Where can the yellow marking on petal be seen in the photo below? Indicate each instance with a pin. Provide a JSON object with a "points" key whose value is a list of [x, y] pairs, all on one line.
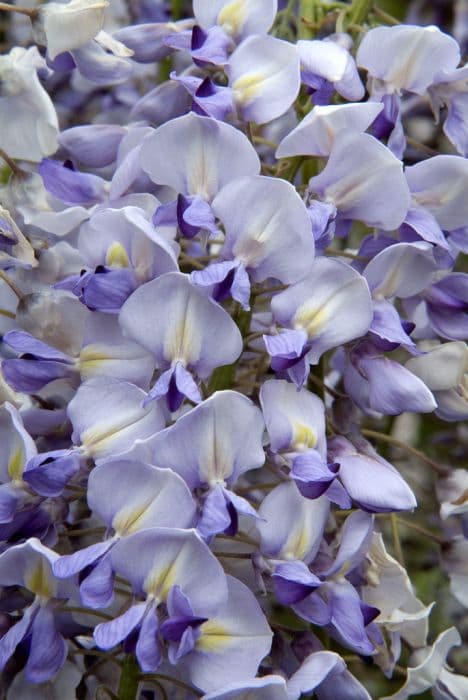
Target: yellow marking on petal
{"points": [[39, 580], [183, 342], [297, 545], [96, 436], [232, 17], [214, 637], [247, 87], [304, 437], [128, 518], [160, 581], [117, 256], [16, 465], [310, 319], [90, 357]]}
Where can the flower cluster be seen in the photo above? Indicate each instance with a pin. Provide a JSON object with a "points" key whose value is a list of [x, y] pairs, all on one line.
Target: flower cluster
{"points": [[231, 276]]}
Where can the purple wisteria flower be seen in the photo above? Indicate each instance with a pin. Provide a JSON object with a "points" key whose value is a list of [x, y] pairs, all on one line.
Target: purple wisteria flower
{"points": [[184, 331], [233, 360]]}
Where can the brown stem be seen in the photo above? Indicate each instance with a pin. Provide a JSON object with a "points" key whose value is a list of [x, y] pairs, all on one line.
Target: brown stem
{"points": [[443, 471], [31, 12], [11, 163], [11, 284]]}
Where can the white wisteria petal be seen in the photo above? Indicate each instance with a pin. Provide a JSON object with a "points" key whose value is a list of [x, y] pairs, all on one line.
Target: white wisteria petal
{"points": [[68, 26]]}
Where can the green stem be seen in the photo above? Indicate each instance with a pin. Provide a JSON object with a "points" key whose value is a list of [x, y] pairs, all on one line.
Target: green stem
{"points": [[9, 161], [358, 12], [129, 679], [176, 9], [307, 17], [87, 611], [385, 17], [8, 314], [421, 530], [396, 539]]}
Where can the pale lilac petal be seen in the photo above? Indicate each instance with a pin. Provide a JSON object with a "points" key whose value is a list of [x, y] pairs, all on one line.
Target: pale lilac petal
{"points": [[314, 609], [293, 582], [97, 589], [175, 321], [186, 384], [30, 376], [71, 186], [198, 214], [329, 61], [255, 234], [442, 367], [265, 78], [313, 671], [238, 19], [292, 526], [215, 273], [439, 184], [100, 67], [312, 474], [425, 225], [104, 432], [287, 345], [107, 352], [157, 559], [393, 389], [456, 123], [198, 149], [387, 326], [424, 676], [316, 133], [70, 564], [8, 503], [332, 305], [402, 270], [48, 648], [323, 58], [215, 516], [146, 40], [371, 481], [236, 653], [343, 685], [365, 181], [109, 634], [27, 113], [407, 57], [210, 47], [264, 688], [70, 25], [241, 505], [356, 535], [13, 637], [295, 420], [142, 497], [213, 443], [23, 342], [347, 618], [95, 145], [49, 472], [148, 650]]}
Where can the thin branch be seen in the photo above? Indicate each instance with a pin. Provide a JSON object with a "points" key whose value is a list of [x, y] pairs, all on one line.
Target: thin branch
{"points": [[443, 471], [31, 12]]}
